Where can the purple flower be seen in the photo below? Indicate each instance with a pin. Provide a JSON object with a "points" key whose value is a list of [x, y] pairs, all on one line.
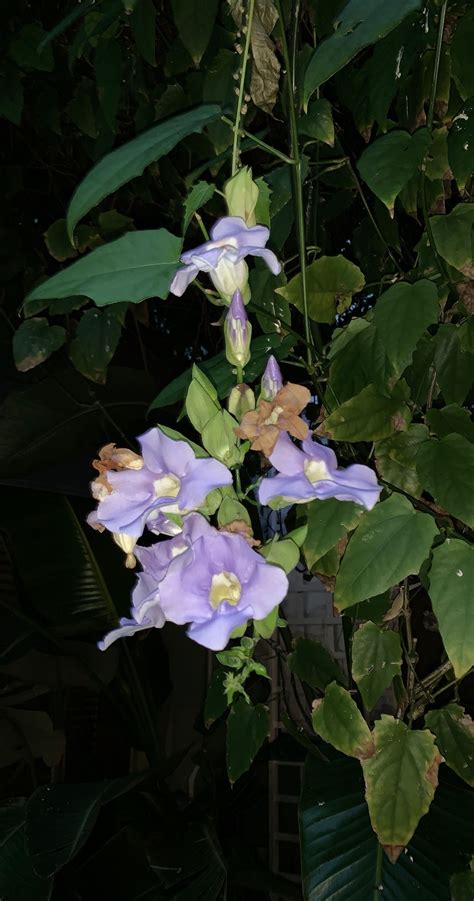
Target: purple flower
{"points": [[272, 379], [237, 332], [146, 612], [313, 473], [219, 584], [171, 480], [224, 256]]}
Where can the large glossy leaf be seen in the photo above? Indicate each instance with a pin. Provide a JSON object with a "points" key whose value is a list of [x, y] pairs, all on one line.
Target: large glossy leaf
{"points": [[331, 282], [64, 587], [339, 847], [138, 265], [35, 341], [454, 733], [453, 236], [451, 579], [338, 721], [376, 659], [131, 159], [328, 522], [389, 163], [369, 416], [361, 22], [391, 542], [400, 778], [446, 469], [401, 316], [220, 372], [18, 879], [60, 818], [194, 21], [247, 728], [313, 664], [395, 458]]}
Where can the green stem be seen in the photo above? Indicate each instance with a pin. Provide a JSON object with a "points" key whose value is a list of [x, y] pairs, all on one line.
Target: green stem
{"points": [[268, 147], [297, 182], [378, 873], [429, 123], [238, 112]]}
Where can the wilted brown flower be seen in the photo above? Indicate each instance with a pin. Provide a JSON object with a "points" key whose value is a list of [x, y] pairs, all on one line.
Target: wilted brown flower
{"points": [[240, 527], [263, 425], [112, 458]]}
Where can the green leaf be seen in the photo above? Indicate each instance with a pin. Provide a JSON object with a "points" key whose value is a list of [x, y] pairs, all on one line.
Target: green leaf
{"points": [[200, 405], [136, 266], [446, 469], [461, 144], [376, 659], [339, 847], [454, 366], [198, 196], [395, 458], [97, 337], [454, 733], [451, 579], [462, 886], [60, 818], [230, 510], [369, 416], [328, 522], [18, 880], [374, 609], [401, 316], [247, 729], [24, 50], [318, 123], [143, 25], [266, 627], [216, 701], [400, 778], [331, 282], [437, 163], [453, 236], [195, 22], [130, 160], [34, 341], [108, 73], [338, 720], [282, 552], [392, 542], [452, 418], [388, 164], [359, 362], [461, 54], [11, 94], [220, 372], [58, 243], [313, 664], [219, 438], [361, 22]]}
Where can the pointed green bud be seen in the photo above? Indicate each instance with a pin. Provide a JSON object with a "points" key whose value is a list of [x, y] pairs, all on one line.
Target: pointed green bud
{"points": [[241, 194], [241, 401]]}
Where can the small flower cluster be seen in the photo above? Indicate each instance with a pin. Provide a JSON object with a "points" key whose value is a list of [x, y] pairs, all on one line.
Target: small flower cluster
{"points": [[214, 580]]}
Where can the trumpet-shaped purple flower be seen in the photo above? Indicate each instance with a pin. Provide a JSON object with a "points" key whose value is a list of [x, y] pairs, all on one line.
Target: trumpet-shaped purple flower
{"points": [[171, 480], [312, 472], [237, 332], [272, 379], [219, 584], [146, 612], [223, 257]]}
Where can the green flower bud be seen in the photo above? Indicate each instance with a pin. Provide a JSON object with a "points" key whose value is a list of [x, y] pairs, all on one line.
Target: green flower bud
{"points": [[241, 194]]}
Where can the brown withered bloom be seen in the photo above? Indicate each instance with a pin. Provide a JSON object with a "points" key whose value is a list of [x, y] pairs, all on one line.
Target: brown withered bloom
{"points": [[240, 527], [263, 425]]}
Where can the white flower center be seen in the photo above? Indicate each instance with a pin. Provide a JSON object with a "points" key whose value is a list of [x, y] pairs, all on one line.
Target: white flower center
{"points": [[225, 586], [167, 486], [315, 471]]}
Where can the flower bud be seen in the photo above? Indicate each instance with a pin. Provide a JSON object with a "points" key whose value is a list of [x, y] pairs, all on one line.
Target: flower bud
{"points": [[127, 544], [241, 401], [237, 332], [241, 194], [272, 380], [229, 277]]}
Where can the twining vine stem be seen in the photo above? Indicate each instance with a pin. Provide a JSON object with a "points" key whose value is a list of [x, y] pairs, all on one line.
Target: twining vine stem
{"points": [[240, 100]]}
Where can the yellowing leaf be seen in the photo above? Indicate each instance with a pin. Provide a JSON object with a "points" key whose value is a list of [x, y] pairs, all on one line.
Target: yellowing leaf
{"points": [[331, 282], [338, 721]]}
